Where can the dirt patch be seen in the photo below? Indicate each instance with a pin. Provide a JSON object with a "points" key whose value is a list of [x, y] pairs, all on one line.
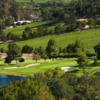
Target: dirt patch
{"points": [[27, 55]]}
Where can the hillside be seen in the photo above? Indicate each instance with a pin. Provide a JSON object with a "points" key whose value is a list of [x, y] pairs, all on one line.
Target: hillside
{"points": [[89, 37], [19, 30]]}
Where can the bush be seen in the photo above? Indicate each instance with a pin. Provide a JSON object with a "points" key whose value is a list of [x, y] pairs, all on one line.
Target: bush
{"points": [[21, 60]]}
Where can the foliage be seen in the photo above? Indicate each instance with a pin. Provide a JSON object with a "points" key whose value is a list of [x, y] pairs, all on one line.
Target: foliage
{"points": [[27, 49], [21, 60], [97, 50], [8, 60], [95, 62], [67, 86], [82, 61], [32, 90], [36, 57], [12, 8], [52, 49], [88, 37], [13, 52]]}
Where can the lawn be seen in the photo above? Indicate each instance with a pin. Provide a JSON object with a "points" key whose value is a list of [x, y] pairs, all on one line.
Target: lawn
{"points": [[19, 29], [89, 38], [43, 66], [34, 69]]}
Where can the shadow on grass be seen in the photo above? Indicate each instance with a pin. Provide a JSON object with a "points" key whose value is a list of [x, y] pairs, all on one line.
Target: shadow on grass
{"points": [[93, 65], [74, 71], [2, 65]]}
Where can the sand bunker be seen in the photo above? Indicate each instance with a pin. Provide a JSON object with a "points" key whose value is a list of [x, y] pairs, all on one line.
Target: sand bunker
{"points": [[66, 68], [23, 66]]}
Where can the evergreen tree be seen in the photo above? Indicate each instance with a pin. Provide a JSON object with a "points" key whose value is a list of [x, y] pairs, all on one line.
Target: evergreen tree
{"points": [[52, 49], [27, 49], [97, 50], [82, 61], [14, 51]]}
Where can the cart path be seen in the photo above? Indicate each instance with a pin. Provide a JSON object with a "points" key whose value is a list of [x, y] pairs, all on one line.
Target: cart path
{"points": [[94, 70]]}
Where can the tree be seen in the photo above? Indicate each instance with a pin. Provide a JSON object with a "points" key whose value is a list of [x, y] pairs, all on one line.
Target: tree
{"points": [[91, 22], [27, 33], [58, 88], [75, 47], [36, 55], [97, 50], [42, 52], [1, 33], [21, 60], [83, 61], [27, 90], [78, 46], [96, 63], [41, 31], [70, 48], [0, 55], [9, 21], [12, 36], [27, 49], [52, 49], [8, 60], [14, 51]]}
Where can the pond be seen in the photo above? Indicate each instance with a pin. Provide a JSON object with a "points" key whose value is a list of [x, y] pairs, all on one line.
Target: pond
{"points": [[6, 79]]}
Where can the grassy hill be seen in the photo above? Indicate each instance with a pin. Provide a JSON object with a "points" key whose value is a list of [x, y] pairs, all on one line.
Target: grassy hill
{"points": [[19, 30], [89, 38], [42, 1]]}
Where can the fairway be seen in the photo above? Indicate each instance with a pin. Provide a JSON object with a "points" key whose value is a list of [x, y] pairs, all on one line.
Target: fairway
{"points": [[89, 38], [34, 69], [49, 64]]}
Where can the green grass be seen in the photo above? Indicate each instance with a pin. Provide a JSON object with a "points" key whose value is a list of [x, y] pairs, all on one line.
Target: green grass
{"points": [[43, 67], [89, 38], [19, 30], [39, 68]]}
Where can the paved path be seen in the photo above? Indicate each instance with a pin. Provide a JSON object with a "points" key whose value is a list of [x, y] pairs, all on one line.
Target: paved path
{"points": [[23, 66], [94, 70]]}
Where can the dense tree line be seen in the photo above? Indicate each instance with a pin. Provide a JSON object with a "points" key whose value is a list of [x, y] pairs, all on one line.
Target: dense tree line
{"points": [[52, 51], [53, 84], [77, 8], [10, 9]]}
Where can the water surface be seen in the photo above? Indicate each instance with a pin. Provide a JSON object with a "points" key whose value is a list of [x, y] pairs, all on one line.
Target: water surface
{"points": [[6, 79]]}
